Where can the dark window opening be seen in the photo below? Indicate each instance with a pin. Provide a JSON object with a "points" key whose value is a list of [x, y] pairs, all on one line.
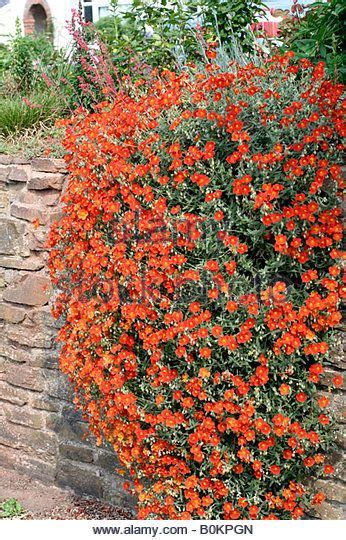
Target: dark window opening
{"points": [[88, 13]]}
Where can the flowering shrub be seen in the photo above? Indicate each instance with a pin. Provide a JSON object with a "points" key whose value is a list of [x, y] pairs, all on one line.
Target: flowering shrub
{"points": [[197, 262]]}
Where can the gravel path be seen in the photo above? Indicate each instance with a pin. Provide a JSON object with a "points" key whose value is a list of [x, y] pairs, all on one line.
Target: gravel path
{"points": [[49, 502]]}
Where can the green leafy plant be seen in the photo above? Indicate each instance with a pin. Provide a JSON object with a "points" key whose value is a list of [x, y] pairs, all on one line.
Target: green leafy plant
{"points": [[10, 508], [163, 34], [27, 56], [18, 113], [318, 33]]}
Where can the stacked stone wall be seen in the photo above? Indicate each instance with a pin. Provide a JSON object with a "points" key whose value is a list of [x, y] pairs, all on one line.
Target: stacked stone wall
{"points": [[41, 434]]}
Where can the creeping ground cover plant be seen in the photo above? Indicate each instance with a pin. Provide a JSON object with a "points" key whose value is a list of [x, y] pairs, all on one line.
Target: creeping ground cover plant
{"points": [[198, 268]]}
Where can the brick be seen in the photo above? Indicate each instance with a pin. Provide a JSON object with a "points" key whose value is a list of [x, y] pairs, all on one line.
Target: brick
{"points": [[11, 313], [19, 263], [32, 290], [17, 174], [46, 181], [12, 394], [25, 377], [11, 236], [24, 417], [76, 453]]}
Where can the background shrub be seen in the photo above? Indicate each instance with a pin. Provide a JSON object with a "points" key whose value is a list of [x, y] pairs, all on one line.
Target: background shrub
{"points": [[318, 33]]}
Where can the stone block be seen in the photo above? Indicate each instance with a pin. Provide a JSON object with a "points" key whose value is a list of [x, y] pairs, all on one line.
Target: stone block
{"points": [[42, 316], [113, 492], [25, 377], [30, 336], [4, 200], [19, 263], [76, 453], [69, 430], [40, 469], [82, 479], [48, 165], [37, 239], [16, 354], [25, 438], [12, 394], [20, 160], [32, 290], [29, 212], [11, 313], [5, 159], [11, 236], [327, 510], [334, 491], [337, 406], [44, 403], [24, 417], [107, 461], [326, 379], [3, 174], [57, 386], [18, 174], [42, 181]]}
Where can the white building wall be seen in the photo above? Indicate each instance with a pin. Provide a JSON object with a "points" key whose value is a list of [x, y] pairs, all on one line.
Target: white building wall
{"points": [[61, 13]]}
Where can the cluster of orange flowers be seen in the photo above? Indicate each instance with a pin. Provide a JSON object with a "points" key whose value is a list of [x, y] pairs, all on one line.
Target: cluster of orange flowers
{"points": [[198, 268]]}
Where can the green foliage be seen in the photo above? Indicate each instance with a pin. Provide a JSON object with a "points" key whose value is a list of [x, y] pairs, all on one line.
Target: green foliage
{"points": [[26, 57], [17, 114], [163, 33], [320, 35], [10, 508]]}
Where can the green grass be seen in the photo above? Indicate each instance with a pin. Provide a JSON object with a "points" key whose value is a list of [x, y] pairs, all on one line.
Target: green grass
{"points": [[16, 116], [10, 508]]}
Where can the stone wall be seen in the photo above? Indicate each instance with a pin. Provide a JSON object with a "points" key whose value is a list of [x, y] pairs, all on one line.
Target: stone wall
{"points": [[40, 432]]}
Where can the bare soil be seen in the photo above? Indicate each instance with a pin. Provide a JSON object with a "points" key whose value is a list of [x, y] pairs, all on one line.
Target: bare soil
{"points": [[49, 502]]}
